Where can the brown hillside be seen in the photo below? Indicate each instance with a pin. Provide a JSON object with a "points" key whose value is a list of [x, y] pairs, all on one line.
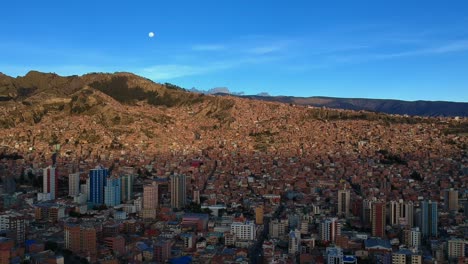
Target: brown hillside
{"points": [[98, 114]]}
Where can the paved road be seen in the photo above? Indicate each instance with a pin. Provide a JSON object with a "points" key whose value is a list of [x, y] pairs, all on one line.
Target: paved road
{"points": [[210, 177], [256, 251]]}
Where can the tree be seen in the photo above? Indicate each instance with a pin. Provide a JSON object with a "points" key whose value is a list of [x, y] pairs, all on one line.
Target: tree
{"points": [[193, 208], [54, 140], [207, 211], [74, 214], [22, 179], [416, 176], [51, 245], [31, 176]]}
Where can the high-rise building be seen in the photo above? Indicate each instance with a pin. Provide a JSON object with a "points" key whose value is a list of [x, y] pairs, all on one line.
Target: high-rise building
{"points": [[74, 184], [72, 237], [412, 237], [97, 182], [278, 228], [196, 196], [394, 213], [112, 195], [14, 223], [150, 196], [415, 238], [407, 214], [162, 251], [401, 213], [81, 239], [343, 202], [304, 227], [367, 211], [50, 182], [244, 230], [127, 187], [116, 244], [330, 228], [178, 191], [451, 200], [378, 219], [259, 215], [294, 241], [456, 248], [150, 200], [84, 189], [429, 219], [398, 258]]}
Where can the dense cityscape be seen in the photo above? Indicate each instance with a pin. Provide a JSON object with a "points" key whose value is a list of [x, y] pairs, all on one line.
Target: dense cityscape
{"points": [[233, 205]]}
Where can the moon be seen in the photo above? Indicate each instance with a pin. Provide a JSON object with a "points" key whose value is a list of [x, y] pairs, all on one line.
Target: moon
{"points": [[151, 34]]}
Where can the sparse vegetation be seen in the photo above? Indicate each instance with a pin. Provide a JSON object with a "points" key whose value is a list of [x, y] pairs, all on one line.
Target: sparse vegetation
{"points": [[263, 139], [117, 87], [457, 128], [389, 158], [173, 87]]}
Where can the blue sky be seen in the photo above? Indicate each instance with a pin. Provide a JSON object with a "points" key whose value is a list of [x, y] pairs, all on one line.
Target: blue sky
{"points": [[408, 50]]}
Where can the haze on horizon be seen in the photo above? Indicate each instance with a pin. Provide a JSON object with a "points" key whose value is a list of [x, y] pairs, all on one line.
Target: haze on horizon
{"points": [[414, 50]]}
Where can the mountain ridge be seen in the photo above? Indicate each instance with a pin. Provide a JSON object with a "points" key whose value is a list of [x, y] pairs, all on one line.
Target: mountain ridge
{"points": [[110, 114], [34, 81], [388, 106]]}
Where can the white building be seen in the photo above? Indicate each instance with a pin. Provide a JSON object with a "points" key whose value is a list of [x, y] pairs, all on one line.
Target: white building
{"points": [[415, 237], [49, 182], [294, 241], [243, 231], [401, 213], [80, 198], [120, 215], [43, 197], [406, 256], [278, 228], [138, 203], [88, 188], [456, 248], [316, 209], [304, 227], [74, 184], [129, 208], [84, 189], [14, 222], [334, 255], [329, 229]]}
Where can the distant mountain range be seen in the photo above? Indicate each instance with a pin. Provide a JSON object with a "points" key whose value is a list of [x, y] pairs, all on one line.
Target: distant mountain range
{"points": [[388, 106], [36, 86]]}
